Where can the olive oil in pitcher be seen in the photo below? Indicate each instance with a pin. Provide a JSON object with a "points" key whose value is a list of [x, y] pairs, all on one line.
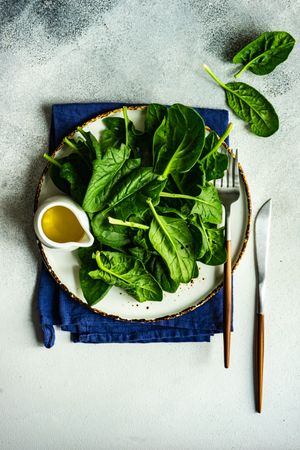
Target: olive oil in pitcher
{"points": [[61, 225]]}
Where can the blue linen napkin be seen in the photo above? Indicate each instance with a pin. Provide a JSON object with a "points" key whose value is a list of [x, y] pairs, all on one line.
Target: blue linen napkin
{"points": [[57, 308]]}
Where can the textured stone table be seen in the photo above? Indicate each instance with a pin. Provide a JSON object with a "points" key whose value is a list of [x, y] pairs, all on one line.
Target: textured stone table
{"points": [[145, 396]]}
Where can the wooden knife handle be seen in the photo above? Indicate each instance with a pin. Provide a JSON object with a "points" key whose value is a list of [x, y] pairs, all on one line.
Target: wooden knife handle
{"points": [[227, 306], [260, 359]]}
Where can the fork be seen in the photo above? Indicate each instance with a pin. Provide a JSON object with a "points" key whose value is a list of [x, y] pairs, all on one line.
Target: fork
{"points": [[229, 191]]}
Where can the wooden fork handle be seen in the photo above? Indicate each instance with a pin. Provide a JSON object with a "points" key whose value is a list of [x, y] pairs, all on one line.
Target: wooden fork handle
{"points": [[260, 359], [227, 305]]}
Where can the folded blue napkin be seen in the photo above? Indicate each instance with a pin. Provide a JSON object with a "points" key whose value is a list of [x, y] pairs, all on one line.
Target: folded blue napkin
{"points": [[57, 308]]}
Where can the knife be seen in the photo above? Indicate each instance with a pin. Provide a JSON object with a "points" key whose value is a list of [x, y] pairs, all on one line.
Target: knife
{"points": [[262, 235]]}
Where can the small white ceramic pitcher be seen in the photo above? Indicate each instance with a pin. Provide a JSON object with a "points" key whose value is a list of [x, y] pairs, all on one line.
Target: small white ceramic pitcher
{"points": [[87, 238]]}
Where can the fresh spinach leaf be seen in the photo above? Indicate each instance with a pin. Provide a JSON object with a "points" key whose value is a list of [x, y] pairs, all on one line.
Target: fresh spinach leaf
{"points": [[54, 172], [137, 202], [172, 239], [216, 242], [208, 205], [104, 172], [200, 241], [159, 144], [130, 195], [85, 254], [128, 273], [115, 134], [180, 140], [128, 166], [85, 145], [250, 105], [91, 142], [92, 289], [115, 236], [262, 55], [70, 175], [155, 114], [142, 248], [163, 209], [210, 242], [210, 166], [77, 186], [189, 182], [160, 272], [212, 163]]}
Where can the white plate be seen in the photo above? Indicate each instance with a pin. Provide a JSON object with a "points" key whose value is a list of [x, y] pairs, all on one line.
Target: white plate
{"points": [[64, 266]]}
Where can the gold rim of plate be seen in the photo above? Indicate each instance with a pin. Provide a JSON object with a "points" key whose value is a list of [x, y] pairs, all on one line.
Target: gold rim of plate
{"points": [[171, 316]]}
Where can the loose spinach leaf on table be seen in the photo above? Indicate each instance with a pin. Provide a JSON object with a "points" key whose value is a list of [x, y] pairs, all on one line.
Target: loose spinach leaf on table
{"points": [[250, 105], [180, 140], [125, 271], [172, 239], [262, 55]]}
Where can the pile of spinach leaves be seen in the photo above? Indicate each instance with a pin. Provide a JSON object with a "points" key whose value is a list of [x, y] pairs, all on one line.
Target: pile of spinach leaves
{"points": [[152, 207]]}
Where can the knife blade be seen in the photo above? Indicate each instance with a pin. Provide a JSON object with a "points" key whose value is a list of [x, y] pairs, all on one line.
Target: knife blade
{"points": [[262, 237]]}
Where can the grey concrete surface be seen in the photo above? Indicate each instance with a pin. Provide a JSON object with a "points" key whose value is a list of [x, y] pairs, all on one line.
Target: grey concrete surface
{"points": [[155, 396]]}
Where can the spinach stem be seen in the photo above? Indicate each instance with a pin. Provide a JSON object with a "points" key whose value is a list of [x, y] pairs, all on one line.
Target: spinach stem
{"points": [[242, 70], [126, 223], [126, 124], [210, 72], [70, 144], [105, 211], [219, 143], [188, 197], [166, 171], [161, 224], [149, 201], [52, 160], [246, 66], [105, 269]]}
